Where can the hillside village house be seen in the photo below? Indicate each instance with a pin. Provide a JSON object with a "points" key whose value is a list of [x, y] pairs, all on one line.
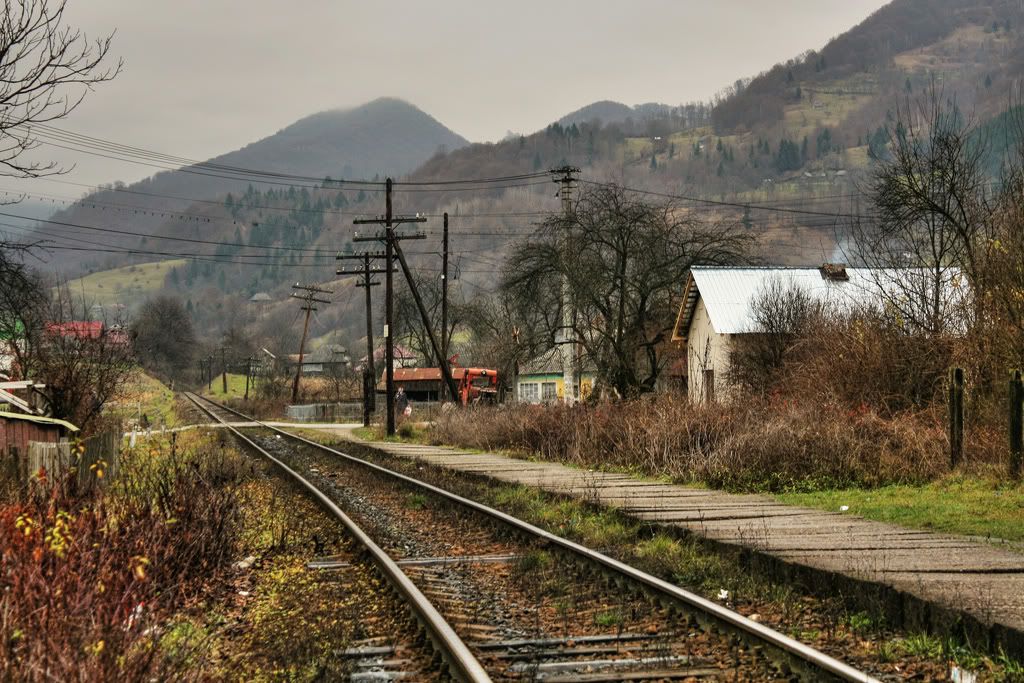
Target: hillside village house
{"points": [[718, 306], [541, 380], [329, 359]]}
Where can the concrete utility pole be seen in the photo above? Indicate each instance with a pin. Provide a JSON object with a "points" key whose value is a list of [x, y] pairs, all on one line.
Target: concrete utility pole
{"points": [[444, 297], [566, 179], [308, 299]]}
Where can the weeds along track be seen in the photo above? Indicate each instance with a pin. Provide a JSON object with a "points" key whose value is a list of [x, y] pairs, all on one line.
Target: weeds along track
{"points": [[527, 604]]}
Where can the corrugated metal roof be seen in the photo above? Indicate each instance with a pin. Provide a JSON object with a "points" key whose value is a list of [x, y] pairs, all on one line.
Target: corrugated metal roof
{"points": [[728, 293], [39, 420]]}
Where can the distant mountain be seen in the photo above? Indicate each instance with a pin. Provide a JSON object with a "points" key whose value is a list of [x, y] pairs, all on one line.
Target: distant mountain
{"points": [[387, 136], [608, 111]]}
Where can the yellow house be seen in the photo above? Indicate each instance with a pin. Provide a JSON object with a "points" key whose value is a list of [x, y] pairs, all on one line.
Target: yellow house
{"points": [[541, 380]]}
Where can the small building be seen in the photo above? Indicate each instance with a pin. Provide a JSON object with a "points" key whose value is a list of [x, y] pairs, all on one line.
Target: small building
{"points": [[329, 359], [718, 305], [425, 384], [541, 380], [17, 430], [259, 303], [419, 384], [404, 358]]}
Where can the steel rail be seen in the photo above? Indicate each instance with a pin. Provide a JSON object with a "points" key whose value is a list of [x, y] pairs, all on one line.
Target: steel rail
{"points": [[804, 653], [463, 665]]}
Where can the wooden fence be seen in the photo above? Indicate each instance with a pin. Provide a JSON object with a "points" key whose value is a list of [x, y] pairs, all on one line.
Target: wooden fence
{"points": [[95, 458]]}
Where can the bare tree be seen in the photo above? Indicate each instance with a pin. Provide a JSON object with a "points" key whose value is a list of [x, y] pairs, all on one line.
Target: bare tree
{"points": [[163, 336], [931, 214], [46, 70], [625, 261], [782, 316], [83, 365], [409, 325]]}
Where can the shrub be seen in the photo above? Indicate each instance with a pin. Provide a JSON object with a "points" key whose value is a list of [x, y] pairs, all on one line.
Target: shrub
{"points": [[89, 579]]}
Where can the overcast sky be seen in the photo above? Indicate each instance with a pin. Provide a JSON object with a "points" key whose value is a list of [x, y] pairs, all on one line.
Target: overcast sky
{"points": [[203, 77]]}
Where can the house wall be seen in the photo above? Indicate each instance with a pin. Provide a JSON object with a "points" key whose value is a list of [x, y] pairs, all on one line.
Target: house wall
{"points": [[17, 434], [530, 388], [706, 350]]}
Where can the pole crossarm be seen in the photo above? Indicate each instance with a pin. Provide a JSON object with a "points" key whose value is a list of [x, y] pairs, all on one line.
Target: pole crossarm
{"points": [[383, 236], [361, 255]]}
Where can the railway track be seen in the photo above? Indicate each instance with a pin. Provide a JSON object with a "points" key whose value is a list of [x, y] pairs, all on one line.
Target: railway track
{"points": [[500, 604]]}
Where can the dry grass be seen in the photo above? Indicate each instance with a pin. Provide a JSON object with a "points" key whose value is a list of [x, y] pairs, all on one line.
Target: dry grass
{"points": [[762, 447]]}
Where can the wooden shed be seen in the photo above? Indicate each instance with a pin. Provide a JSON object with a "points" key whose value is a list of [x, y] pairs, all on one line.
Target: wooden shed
{"points": [[17, 429]]}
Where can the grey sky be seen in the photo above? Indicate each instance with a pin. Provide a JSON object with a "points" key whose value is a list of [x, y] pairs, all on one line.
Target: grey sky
{"points": [[206, 76]]}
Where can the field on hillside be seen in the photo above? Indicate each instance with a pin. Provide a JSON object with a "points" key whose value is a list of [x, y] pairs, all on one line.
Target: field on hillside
{"points": [[128, 285]]}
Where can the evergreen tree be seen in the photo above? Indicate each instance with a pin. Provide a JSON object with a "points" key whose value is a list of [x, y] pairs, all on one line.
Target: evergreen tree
{"points": [[654, 162], [788, 158]]}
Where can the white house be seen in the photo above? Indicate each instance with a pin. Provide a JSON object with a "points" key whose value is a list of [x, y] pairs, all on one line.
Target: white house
{"points": [[718, 305]]}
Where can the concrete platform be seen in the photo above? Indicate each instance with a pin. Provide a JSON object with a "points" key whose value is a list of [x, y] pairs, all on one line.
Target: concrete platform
{"points": [[943, 582]]}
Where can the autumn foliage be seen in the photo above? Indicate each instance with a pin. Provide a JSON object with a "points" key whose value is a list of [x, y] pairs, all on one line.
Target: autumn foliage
{"points": [[89, 580]]}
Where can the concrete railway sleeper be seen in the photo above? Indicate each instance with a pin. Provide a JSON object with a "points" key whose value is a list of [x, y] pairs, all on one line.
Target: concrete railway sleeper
{"points": [[681, 636], [456, 658]]}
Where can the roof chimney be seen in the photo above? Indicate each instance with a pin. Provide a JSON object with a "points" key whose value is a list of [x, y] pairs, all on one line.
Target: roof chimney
{"points": [[834, 272]]}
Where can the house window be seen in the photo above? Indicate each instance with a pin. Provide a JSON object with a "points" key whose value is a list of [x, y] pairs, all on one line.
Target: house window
{"points": [[549, 391], [529, 392]]}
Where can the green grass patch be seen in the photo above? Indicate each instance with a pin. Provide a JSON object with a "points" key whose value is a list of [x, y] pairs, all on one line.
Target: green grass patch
{"points": [[960, 504], [127, 285], [145, 399], [236, 387]]}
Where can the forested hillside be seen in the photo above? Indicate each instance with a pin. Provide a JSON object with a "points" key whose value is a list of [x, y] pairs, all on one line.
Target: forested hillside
{"points": [[798, 136], [386, 136]]}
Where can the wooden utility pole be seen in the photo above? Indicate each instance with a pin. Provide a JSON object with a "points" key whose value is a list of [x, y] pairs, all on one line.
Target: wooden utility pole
{"points": [[444, 297], [565, 177], [1016, 423], [369, 370], [308, 299], [248, 374], [956, 416], [224, 369], [390, 239]]}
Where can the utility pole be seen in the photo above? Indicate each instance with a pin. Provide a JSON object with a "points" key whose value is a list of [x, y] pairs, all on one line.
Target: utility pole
{"points": [[248, 374], [565, 177], [308, 299], [444, 297], [224, 369], [369, 370], [391, 250]]}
